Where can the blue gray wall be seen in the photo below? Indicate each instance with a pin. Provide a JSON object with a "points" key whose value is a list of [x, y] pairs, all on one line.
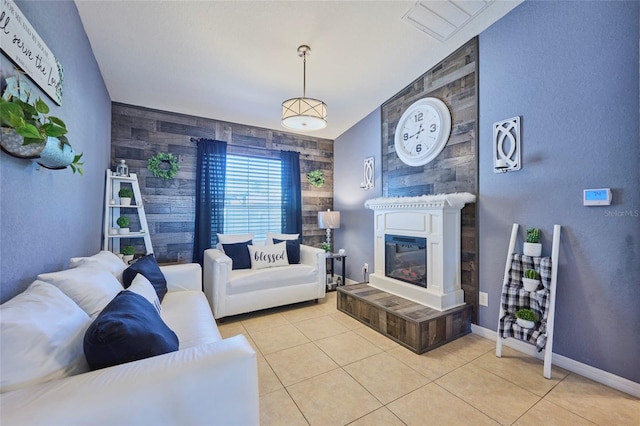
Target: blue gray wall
{"points": [[356, 223], [47, 217], [570, 70]]}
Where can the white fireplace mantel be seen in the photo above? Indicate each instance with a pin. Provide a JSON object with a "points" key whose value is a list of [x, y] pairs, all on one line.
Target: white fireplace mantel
{"points": [[436, 218]]}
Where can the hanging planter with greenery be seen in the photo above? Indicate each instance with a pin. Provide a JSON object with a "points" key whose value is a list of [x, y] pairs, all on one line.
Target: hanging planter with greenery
{"points": [[315, 178], [29, 132], [163, 165]]}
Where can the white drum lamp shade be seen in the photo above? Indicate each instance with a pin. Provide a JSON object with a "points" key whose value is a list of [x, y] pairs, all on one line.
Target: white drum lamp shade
{"points": [[304, 114]]}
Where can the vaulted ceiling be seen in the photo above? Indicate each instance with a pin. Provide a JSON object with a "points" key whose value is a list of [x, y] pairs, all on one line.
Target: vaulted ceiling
{"points": [[237, 60]]}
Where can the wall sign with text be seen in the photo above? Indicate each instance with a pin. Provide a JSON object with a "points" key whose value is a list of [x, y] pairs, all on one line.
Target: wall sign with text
{"points": [[22, 44]]}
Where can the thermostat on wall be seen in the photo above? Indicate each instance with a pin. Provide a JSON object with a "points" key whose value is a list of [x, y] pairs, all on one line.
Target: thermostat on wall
{"points": [[597, 197]]}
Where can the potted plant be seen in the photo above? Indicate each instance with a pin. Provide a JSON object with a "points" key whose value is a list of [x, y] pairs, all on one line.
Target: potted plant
{"points": [[123, 223], [526, 318], [532, 246], [127, 253], [125, 194], [326, 247], [29, 132], [530, 280]]}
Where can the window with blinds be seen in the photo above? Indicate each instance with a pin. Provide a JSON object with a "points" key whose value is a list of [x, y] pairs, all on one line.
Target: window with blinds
{"points": [[253, 196]]}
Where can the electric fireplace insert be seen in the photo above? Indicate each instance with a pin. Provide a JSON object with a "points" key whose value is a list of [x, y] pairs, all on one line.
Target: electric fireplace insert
{"points": [[406, 259]]}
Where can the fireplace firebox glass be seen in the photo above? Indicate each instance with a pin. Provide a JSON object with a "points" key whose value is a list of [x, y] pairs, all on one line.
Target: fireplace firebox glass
{"points": [[406, 259]]}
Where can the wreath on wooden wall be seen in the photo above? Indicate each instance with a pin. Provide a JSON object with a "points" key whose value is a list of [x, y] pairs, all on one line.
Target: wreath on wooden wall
{"points": [[315, 178], [163, 165]]}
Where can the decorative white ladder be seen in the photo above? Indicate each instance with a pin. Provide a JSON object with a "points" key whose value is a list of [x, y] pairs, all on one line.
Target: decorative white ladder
{"points": [[112, 210], [548, 348]]}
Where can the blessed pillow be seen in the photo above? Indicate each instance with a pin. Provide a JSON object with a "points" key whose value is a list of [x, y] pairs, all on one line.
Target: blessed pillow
{"points": [[89, 286], [293, 250], [239, 254], [268, 256], [142, 286], [147, 266], [41, 334], [282, 237], [128, 329]]}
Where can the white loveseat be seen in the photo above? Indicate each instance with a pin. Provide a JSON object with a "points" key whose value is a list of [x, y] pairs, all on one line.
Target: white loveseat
{"points": [[237, 291], [209, 380]]}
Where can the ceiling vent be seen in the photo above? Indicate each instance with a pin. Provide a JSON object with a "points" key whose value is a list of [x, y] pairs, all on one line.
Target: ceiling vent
{"points": [[442, 19]]}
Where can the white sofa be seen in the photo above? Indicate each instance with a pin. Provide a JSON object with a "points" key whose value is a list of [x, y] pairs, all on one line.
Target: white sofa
{"points": [[209, 380], [237, 291]]}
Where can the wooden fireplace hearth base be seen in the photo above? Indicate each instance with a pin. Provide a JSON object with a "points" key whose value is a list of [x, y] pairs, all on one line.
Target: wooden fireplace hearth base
{"points": [[415, 326]]}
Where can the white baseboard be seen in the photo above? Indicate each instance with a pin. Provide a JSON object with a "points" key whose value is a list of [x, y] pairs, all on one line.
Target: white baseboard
{"points": [[595, 374]]}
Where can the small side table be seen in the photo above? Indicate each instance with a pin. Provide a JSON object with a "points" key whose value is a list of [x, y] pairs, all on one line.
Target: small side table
{"points": [[331, 272]]}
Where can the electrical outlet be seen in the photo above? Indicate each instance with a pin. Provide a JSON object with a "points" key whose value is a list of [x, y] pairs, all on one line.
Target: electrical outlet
{"points": [[365, 270], [366, 266], [484, 299]]}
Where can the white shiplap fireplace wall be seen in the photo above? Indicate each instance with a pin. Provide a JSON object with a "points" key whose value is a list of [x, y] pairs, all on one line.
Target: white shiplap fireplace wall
{"points": [[436, 218]]}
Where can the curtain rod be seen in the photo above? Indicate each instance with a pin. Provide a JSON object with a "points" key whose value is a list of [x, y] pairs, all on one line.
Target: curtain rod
{"points": [[257, 148]]}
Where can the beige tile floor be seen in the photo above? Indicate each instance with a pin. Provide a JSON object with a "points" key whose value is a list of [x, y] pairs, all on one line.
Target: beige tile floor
{"points": [[318, 366]]}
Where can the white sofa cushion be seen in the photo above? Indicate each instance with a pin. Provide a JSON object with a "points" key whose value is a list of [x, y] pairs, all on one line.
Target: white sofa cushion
{"points": [[89, 286], [187, 313], [41, 335], [103, 259], [248, 280], [268, 256]]}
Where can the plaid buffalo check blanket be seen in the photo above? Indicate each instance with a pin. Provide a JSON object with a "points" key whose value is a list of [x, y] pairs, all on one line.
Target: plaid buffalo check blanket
{"points": [[515, 297]]}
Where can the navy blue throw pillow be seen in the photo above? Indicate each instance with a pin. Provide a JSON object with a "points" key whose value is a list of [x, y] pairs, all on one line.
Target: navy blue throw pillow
{"points": [[147, 266], [293, 249], [129, 328], [239, 254]]}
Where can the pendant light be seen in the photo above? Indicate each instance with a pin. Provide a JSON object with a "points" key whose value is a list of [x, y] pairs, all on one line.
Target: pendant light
{"points": [[304, 114]]}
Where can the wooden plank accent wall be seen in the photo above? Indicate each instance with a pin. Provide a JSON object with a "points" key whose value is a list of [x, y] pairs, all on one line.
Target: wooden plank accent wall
{"points": [[138, 134], [454, 81]]}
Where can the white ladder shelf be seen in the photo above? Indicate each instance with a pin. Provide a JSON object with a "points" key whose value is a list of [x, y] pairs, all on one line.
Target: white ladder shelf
{"points": [[112, 210], [548, 348]]}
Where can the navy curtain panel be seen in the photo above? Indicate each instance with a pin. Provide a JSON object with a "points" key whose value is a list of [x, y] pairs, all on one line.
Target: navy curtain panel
{"points": [[291, 193], [211, 169]]}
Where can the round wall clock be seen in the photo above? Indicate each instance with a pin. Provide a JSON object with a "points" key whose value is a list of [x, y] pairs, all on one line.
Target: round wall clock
{"points": [[423, 131]]}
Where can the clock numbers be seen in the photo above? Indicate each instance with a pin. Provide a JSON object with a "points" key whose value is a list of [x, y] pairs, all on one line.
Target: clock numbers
{"points": [[418, 117], [419, 148], [405, 137], [433, 128]]}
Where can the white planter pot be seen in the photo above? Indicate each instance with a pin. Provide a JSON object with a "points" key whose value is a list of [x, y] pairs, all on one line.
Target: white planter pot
{"points": [[128, 258], [113, 231], [125, 201], [123, 231], [529, 284], [532, 249], [524, 323]]}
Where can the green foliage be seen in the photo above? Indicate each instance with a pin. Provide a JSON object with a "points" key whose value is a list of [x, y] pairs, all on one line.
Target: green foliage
{"points": [[315, 178], [532, 274], [123, 222], [125, 193], [326, 247], [76, 165], [527, 315], [128, 250], [166, 159], [533, 235], [28, 116]]}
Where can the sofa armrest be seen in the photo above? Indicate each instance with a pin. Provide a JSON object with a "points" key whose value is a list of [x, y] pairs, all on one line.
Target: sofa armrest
{"points": [[186, 276], [216, 274], [216, 383], [313, 256]]}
